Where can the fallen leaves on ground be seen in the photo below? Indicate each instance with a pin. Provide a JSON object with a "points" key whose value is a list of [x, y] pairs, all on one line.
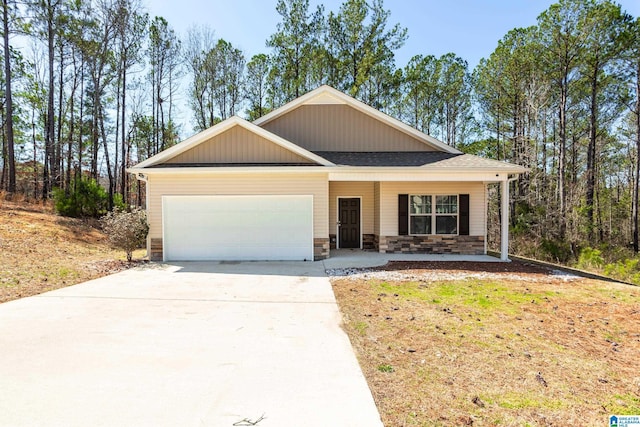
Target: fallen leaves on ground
{"points": [[41, 251], [523, 345]]}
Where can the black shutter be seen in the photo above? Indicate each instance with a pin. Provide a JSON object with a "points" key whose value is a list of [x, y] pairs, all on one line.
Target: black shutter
{"points": [[403, 214], [463, 212]]}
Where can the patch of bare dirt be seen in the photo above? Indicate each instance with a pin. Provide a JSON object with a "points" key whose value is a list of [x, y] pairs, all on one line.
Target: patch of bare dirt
{"points": [[516, 345], [40, 251]]}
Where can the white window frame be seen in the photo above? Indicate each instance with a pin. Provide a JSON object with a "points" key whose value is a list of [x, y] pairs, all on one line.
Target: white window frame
{"points": [[434, 214]]}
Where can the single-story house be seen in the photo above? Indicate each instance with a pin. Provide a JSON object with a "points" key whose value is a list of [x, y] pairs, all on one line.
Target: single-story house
{"points": [[324, 171]]}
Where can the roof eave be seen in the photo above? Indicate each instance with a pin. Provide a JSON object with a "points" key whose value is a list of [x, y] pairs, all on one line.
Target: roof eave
{"points": [[327, 169]]}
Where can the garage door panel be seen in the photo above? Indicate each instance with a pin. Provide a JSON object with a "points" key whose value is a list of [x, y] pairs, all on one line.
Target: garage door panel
{"points": [[238, 227]]}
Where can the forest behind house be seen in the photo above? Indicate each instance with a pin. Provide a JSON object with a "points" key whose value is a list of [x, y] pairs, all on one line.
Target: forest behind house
{"points": [[90, 88]]}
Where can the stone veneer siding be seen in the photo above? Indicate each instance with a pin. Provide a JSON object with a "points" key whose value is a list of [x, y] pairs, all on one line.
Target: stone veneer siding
{"points": [[320, 248], [462, 245], [369, 242], [155, 250]]}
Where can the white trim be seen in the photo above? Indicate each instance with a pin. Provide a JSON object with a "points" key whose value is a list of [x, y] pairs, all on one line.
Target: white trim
{"points": [[504, 221], [338, 218], [338, 173], [325, 90], [486, 215], [221, 127]]}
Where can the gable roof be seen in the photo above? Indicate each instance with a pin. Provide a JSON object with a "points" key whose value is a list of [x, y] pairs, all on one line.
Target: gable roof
{"points": [[327, 95], [221, 127]]}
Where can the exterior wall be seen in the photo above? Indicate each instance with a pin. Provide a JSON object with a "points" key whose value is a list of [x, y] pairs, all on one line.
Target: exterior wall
{"points": [[238, 145], [340, 128], [389, 202], [364, 190], [462, 245], [236, 184]]}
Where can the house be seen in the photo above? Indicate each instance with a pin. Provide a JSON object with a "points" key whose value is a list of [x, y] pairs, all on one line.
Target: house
{"points": [[324, 171]]}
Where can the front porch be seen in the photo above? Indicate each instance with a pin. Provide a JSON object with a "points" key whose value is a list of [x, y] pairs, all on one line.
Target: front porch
{"points": [[411, 217]]}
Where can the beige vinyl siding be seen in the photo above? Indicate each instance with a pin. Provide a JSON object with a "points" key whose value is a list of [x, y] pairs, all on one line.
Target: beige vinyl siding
{"points": [[240, 184], [238, 145], [340, 128], [352, 189], [389, 202]]}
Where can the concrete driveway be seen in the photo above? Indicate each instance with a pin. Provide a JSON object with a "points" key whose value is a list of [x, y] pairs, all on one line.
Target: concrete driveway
{"points": [[191, 344]]}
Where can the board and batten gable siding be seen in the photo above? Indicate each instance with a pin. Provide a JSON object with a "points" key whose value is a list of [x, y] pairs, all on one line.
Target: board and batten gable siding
{"points": [[389, 202], [352, 189], [238, 145], [239, 184], [337, 127]]}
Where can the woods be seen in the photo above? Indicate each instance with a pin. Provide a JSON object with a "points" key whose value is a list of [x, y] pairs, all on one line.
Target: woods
{"points": [[89, 88]]}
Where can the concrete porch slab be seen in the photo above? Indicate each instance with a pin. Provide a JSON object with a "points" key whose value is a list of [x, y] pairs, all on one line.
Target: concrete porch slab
{"points": [[357, 258]]}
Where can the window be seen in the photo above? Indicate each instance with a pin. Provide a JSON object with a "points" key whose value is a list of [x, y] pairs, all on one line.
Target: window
{"points": [[425, 217], [446, 214], [420, 215]]}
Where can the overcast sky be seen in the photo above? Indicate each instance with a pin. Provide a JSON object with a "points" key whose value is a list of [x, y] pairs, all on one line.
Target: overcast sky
{"points": [[469, 28]]}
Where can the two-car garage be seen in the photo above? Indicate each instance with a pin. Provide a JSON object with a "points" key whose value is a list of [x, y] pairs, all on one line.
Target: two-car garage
{"points": [[237, 227]]}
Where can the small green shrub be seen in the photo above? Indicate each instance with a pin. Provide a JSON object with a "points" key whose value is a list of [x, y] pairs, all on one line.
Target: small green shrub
{"points": [[590, 258], [126, 230], [626, 270], [555, 250], [85, 199]]}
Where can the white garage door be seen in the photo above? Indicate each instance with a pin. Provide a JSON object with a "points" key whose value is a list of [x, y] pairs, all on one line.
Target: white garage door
{"points": [[249, 228]]}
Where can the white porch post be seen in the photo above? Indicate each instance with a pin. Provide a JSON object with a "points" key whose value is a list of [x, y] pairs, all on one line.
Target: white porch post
{"points": [[504, 222]]}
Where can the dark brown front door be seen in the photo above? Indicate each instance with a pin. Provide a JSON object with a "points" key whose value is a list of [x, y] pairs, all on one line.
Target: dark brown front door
{"points": [[349, 216]]}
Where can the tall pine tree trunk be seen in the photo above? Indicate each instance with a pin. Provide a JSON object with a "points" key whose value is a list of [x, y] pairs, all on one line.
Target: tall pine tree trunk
{"points": [[50, 161], [9, 138], [636, 183], [591, 152]]}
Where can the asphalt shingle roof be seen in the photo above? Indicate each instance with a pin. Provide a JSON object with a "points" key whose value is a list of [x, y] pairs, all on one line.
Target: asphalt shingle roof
{"points": [[395, 158], [431, 159]]}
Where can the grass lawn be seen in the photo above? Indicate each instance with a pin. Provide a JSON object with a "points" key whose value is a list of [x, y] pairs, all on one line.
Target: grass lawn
{"points": [[537, 350]]}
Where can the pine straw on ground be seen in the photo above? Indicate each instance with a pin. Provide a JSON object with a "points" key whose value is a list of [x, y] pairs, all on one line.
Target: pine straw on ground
{"points": [[40, 251], [538, 349]]}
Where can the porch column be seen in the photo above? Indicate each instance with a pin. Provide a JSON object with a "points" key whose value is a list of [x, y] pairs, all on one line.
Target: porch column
{"points": [[504, 222]]}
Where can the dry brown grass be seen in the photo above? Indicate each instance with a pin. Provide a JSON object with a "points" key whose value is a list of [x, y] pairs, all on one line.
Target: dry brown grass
{"points": [[40, 251], [533, 352]]}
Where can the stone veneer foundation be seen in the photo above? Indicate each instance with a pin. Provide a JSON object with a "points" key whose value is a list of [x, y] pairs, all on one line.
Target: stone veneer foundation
{"points": [[320, 249], [462, 245], [156, 250]]}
